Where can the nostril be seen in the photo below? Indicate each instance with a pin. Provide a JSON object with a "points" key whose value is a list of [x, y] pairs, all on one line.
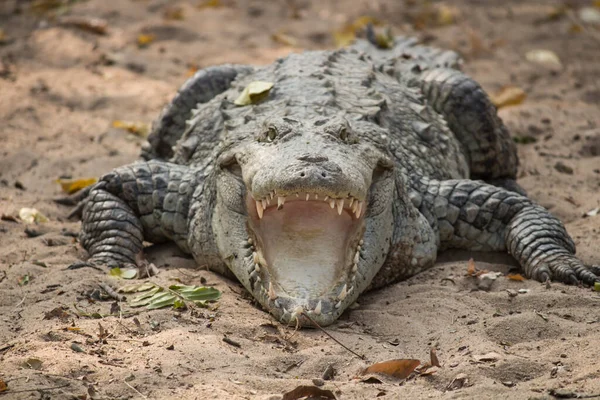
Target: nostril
{"points": [[324, 175], [302, 174]]}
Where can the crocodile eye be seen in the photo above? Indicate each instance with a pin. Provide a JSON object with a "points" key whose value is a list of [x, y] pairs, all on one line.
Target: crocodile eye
{"points": [[343, 134], [271, 134]]}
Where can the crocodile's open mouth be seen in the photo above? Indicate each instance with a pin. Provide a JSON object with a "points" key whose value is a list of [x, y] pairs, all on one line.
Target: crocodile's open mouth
{"points": [[306, 251]]}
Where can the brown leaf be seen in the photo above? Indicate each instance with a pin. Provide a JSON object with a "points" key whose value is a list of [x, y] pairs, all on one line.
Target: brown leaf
{"points": [[59, 313], [308, 391], [102, 333], [543, 56], [508, 96], [400, 368], [433, 356], [471, 270], [515, 277], [253, 93], [3, 386]]}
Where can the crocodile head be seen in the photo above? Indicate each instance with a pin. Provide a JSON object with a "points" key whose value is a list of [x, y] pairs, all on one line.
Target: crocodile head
{"points": [[303, 213]]}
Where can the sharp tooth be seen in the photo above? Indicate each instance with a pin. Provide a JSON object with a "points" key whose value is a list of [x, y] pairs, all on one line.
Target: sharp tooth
{"points": [[351, 201], [343, 293], [268, 201], [271, 195], [255, 257], [354, 268], [317, 310], [338, 304], [332, 203], [250, 241], [307, 196], [326, 198], [316, 196], [257, 268], [280, 202], [354, 206], [264, 203], [259, 209], [356, 256], [297, 194], [361, 242], [271, 292], [340, 205], [359, 209], [258, 279]]}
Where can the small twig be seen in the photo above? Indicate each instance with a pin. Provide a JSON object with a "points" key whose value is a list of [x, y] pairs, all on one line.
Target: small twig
{"points": [[19, 303], [6, 346], [34, 390], [231, 342], [120, 323], [334, 339], [125, 340], [135, 390], [111, 292]]}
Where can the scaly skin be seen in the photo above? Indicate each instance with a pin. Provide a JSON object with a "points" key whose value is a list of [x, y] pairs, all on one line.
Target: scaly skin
{"points": [[352, 174]]}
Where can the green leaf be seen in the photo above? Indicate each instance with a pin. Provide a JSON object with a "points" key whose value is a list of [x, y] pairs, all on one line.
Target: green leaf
{"points": [[161, 300], [125, 273], [144, 298], [597, 286], [179, 304], [196, 293], [137, 287]]}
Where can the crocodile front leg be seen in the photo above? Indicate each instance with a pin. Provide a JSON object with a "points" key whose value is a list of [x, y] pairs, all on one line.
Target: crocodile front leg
{"points": [[477, 216], [141, 201]]}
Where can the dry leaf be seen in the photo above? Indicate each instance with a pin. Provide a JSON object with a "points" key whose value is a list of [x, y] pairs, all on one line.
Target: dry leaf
{"points": [[31, 215], [94, 25], [400, 368], [308, 391], [433, 357], [3, 36], [57, 312], [144, 40], [174, 13], [471, 270], [508, 96], [209, 4], [71, 186], [253, 93], [284, 39], [446, 15], [137, 128], [541, 56], [515, 277], [347, 33], [32, 363], [3, 386]]}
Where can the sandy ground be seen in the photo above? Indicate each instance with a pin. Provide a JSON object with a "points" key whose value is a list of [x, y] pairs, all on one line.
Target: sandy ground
{"points": [[60, 89]]}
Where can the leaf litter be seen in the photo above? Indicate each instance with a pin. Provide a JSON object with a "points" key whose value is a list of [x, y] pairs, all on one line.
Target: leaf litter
{"points": [[177, 296], [71, 186]]}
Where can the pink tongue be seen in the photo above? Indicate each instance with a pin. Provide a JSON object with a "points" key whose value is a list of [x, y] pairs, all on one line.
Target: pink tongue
{"points": [[305, 246]]}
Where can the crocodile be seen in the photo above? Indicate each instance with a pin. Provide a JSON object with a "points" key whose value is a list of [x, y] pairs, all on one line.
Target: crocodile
{"points": [[352, 172]]}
